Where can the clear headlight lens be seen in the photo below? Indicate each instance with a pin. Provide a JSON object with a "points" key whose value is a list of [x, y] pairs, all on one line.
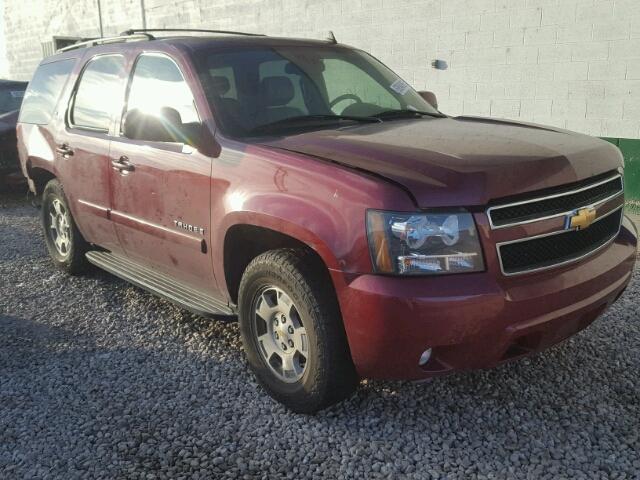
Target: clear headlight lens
{"points": [[423, 243]]}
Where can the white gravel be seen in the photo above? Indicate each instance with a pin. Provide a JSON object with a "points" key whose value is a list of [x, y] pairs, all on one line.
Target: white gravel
{"points": [[99, 379]]}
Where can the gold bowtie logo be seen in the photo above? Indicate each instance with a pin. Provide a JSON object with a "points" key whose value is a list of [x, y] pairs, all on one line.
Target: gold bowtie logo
{"points": [[582, 218]]}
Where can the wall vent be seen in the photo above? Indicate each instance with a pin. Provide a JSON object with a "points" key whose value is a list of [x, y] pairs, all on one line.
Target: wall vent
{"points": [[49, 48]]}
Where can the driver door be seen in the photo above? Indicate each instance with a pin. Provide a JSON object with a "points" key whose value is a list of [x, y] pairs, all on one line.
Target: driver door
{"points": [[161, 189]]}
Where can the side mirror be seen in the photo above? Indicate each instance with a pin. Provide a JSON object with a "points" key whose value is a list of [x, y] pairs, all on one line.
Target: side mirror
{"points": [[430, 98], [166, 126]]}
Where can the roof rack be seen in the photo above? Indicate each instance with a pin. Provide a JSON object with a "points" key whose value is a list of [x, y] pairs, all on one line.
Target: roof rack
{"points": [[134, 31], [134, 34], [105, 40]]}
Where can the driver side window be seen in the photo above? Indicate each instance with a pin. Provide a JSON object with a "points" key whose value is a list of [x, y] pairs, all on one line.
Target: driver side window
{"points": [[338, 74], [160, 105]]}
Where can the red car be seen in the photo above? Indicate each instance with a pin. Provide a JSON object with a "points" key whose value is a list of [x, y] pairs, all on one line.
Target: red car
{"points": [[354, 229]]}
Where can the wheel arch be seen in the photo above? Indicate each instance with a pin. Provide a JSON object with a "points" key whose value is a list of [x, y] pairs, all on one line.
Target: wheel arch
{"points": [[38, 177], [245, 240]]}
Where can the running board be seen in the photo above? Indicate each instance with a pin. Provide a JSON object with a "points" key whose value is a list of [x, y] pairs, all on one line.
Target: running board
{"points": [[159, 284]]}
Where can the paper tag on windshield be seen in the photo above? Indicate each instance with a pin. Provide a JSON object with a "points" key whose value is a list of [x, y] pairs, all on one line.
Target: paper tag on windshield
{"points": [[400, 86], [17, 93]]}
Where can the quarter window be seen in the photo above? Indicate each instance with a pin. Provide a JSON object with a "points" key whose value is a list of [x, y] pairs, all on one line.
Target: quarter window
{"points": [[44, 90], [99, 93]]}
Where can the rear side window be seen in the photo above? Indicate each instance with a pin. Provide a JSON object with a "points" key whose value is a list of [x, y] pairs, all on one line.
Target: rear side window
{"points": [[44, 90], [99, 94]]}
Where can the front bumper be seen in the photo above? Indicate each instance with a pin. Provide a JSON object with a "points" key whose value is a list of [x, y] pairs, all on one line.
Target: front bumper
{"points": [[476, 320]]}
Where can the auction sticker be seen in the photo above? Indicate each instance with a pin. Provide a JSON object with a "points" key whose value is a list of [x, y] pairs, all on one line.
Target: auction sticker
{"points": [[400, 86]]}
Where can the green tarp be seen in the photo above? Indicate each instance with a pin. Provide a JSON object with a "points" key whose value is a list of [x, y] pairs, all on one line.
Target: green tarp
{"points": [[631, 150]]}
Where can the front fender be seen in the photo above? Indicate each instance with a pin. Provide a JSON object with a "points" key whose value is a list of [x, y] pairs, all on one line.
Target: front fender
{"points": [[317, 236], [318, 203]]}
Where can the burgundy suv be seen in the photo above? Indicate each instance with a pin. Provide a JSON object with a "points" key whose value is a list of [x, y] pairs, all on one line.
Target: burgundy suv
{"points": [[354, 229]]}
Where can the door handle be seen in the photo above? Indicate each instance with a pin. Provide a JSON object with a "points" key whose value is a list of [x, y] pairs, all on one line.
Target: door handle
{"points": [[64, 150], [123, 164]]}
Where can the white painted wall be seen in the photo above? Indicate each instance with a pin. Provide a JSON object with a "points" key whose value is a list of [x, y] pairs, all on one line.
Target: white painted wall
{"points": [[569, 63], [4, 64]]}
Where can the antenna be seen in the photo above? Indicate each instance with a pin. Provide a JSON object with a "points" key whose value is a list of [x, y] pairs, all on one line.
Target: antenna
{"points": [[331, 38]]}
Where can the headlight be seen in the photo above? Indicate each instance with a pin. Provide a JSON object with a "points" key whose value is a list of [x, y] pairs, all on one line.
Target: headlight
{"points": [[423, 243]]}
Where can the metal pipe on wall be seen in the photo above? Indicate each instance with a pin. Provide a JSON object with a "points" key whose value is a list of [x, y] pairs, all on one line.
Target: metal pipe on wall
{"points": [[144, 14], [100, 18]]}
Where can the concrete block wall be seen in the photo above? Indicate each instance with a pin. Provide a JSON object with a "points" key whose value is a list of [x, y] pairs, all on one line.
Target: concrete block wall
{"points": [[569, 63]]}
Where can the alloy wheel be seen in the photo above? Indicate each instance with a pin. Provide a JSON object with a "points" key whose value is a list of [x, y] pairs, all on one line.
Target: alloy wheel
{"points": [[59, 227], [280, 335]]}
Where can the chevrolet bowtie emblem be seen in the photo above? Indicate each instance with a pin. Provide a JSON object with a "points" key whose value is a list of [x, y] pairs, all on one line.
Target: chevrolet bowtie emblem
{"points": [[581, 218]]}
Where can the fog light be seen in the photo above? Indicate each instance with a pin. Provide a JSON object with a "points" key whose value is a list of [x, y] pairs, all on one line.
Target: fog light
{"points": [[425, 357]]}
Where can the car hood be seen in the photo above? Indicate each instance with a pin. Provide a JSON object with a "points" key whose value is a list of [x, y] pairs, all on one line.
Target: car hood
{"points": [[462, 161]]}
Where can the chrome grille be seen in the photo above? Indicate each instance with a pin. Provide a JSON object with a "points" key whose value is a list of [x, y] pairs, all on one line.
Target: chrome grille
{"points": [[558, 248], [555, 205], [570, 243]]}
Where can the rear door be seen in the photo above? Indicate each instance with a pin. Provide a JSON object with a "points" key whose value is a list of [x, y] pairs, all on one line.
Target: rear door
{"points": [[82, 146], [161, 190]]}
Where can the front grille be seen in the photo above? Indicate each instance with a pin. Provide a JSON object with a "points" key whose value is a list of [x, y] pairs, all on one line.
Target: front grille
{"points": [[557, 249], [556, 204]]}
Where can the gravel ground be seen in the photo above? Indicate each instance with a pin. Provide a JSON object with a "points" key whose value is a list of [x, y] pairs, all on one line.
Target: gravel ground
{"points": [[635, 217], [99, 379]]}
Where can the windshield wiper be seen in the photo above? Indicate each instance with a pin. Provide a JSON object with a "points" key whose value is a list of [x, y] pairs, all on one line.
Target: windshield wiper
{"points": [[292, 121], [406, 114]]}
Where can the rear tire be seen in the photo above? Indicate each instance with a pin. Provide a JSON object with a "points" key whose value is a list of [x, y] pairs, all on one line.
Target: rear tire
{"points": [[300, 353], [64, 242]]}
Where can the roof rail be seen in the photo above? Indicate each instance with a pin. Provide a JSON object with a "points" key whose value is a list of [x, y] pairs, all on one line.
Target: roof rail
{"points": [[133, 31], [105, 40]]}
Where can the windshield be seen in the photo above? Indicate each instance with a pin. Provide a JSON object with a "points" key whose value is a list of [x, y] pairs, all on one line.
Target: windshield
{"points": [[11, 97], [311, 85]]}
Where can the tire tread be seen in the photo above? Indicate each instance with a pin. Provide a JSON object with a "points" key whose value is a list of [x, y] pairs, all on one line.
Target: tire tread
{"points": [[335, 378], [77, 263]]}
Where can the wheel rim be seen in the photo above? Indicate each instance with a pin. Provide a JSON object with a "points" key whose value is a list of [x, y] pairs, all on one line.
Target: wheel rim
{"points": [[59, 227], [280, 336]]}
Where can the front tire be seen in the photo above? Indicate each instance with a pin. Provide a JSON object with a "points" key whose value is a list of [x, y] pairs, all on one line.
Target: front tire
{"points": [[299, 352], [64, 242]]}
